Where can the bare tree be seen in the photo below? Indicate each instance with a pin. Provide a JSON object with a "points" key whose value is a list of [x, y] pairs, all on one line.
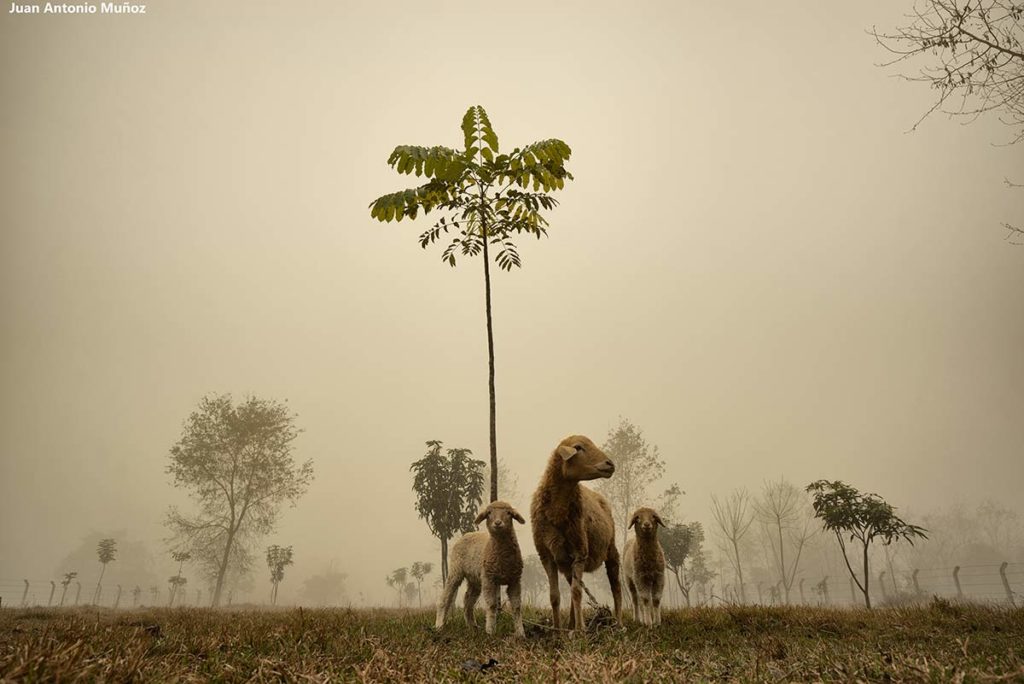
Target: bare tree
{"points": [[971, 53], [787, 522], [733, 519]]}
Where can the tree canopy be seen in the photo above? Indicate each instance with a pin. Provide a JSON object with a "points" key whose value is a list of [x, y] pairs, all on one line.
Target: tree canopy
{"points": [[856, 516]]}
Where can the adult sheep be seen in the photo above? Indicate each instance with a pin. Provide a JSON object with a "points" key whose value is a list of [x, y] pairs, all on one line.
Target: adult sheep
{"points": [[573, 528]]}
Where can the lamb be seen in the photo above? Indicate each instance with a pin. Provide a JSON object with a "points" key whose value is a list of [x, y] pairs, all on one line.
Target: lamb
{"points": [[487, 560], [643, 566], [573, 528]]}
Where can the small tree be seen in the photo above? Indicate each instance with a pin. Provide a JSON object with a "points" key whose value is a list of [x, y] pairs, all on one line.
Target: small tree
{"points": [[180, 557], [682, 544], [785, 520], [236, 461], [177, 584], [106, 551], [733, 518], [486, 199], [396, 580], [277, 558], [449, 490], [864, 518], [68, 578], [419, 571], [638, 465]]}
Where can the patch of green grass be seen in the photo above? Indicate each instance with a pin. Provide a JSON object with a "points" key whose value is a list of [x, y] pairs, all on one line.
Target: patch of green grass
{"points": [[937, 643]]}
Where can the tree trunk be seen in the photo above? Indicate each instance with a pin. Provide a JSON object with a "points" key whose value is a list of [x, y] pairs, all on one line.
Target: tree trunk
{"points": [[223, 569], [739, 572], [444, 561], [490, 364], [867, 596], [99, 583], [782, 564]]}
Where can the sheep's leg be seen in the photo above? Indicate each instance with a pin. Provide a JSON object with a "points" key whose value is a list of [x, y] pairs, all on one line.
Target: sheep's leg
{"points": [[469, 603], [576, 622], [631, 586], [645, 606], [572, 613], [490, 591], [444, 606], [515, 599], [611, 566], [552, 571], [656, 600]]}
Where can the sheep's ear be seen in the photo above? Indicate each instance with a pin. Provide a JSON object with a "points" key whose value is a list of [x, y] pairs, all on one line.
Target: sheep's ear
{"points": [[632, 521], [483, 516], [658, 520], [518, 518], [566, 452]]}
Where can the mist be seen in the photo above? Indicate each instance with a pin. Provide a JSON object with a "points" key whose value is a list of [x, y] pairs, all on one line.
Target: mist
{"points": [[761, 263]]}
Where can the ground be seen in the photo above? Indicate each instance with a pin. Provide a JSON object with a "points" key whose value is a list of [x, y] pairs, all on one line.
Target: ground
{"points": [[940, 642]]}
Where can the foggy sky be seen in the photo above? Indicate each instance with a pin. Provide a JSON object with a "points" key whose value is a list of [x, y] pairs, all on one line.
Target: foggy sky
{"points": [[757, 263]]}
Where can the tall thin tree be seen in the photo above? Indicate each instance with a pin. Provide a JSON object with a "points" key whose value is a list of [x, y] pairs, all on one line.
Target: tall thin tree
{"points": [[486, 198]]}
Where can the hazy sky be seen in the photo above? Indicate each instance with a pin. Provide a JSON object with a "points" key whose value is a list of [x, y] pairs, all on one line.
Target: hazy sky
{"points": [[756, 263]]}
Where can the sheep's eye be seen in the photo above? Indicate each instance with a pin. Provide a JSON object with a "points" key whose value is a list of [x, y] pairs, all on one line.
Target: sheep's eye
{"points": [[579, 448]]}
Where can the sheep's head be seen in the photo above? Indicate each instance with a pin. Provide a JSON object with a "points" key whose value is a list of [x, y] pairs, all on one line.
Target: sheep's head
{"points": [[499, 516], [582, 460], [646, 521]]}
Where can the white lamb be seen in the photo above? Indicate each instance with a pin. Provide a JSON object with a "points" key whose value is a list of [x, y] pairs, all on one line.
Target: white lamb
{"points": [[487, 560]]}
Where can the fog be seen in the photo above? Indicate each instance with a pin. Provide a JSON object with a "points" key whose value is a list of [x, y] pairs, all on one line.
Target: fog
{"points": [[758, 263]]}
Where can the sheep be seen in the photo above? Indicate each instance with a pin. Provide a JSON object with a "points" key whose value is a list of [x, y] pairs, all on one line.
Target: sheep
{"points": [[573, 528], [487, 560], [643, 566]]}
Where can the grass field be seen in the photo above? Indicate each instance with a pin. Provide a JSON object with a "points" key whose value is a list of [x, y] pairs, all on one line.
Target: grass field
{"points": [[941, 642]]}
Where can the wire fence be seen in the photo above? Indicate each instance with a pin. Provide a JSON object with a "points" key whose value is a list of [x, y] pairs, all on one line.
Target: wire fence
{"points": [[999, 583], [28, 592]]}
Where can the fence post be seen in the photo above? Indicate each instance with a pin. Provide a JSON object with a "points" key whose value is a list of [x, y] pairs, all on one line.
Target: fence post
{"points": [[956, 581], [853, 593], [24, 595], [78, 591], [881, 583], [917, 587], [117, 600], [1006, 584], [802, 600], [53, 588]]}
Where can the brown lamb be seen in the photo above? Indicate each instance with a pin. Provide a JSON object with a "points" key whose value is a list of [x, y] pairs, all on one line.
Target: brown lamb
{"points": [[643, 566], [486, 561], [573, 528]]}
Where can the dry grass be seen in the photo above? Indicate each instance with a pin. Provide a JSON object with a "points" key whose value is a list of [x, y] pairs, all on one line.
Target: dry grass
{"points": [[942, 642]]}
